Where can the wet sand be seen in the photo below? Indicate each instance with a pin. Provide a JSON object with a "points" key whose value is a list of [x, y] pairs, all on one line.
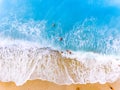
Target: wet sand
{"points": [[45, 85]]}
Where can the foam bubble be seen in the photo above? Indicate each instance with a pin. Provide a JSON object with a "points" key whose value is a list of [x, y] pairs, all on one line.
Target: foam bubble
{"points": [[21, 62], [24, 53]]}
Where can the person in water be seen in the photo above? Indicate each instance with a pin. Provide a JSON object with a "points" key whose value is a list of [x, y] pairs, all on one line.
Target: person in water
{"points": [[61, 39], [68, 51], [53, 25]]}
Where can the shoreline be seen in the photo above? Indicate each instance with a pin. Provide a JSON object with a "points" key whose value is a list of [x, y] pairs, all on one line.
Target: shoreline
{"points": [[22, 64], [45, 85]]}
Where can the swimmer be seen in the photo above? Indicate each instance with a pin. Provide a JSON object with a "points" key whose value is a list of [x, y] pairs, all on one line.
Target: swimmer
{"points": [[61, 39], [69, 51], [53, 25]]}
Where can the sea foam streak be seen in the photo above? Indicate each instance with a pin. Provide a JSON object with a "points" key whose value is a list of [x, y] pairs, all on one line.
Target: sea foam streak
{"points": [[30, 50], [21, 62]]}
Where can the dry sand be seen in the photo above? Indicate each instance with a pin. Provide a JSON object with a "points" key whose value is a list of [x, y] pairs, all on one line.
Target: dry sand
{"points": [[45, 85]]}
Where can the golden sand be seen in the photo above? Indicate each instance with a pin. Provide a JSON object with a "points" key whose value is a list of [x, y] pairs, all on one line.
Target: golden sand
{"points": [[45, 85]]}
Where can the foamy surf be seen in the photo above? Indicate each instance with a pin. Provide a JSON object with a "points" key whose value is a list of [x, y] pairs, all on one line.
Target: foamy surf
{"points": [[88, 51], [20, 62]]}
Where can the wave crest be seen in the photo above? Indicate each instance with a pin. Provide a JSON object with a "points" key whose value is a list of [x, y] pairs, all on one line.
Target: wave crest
{"points": [[19, 63]]}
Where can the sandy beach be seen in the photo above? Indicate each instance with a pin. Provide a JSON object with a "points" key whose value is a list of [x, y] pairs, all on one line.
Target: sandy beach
{"points": [[45, 85], [60, 70], [59, 45]]}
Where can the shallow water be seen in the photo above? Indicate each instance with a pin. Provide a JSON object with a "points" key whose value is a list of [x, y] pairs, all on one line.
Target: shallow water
{"points": [[83, 25], [80, 30]]}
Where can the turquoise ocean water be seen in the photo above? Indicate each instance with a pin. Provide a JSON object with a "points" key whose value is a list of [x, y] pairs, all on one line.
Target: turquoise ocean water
{"points": [[83, 25], [78, 40]]}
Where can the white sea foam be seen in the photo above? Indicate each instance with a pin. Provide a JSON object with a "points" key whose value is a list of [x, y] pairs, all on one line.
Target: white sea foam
{"points": [[21, 61]]}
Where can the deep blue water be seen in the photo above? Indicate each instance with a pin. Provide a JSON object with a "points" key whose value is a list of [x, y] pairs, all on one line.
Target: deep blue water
{"points": [[84, 25]]}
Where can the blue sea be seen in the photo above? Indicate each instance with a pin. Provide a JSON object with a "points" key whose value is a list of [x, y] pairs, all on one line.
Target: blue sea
{"points": [[83, 25], [79, 26]]}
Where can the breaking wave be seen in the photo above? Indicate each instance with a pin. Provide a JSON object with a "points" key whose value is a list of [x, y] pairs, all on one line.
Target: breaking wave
{"points": [[65, 42], [21, 62], [30, 51]]}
